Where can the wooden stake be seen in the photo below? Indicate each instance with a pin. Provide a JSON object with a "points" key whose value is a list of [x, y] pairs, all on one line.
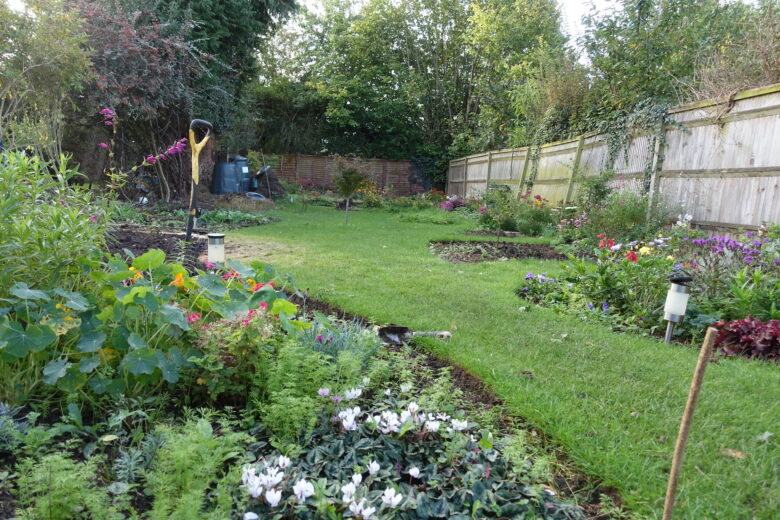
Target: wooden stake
{"points": [[685, 424]]}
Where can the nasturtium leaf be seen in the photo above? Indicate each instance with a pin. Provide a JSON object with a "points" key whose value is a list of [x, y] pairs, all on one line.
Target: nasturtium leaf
{"points": [[148, 301], [118, 276], [20, 341], [106, 313], [135, 341], [168, 367], [72, 380], [212, 284], [90, 341], [54, 370], [73, 300], [266, 294], [138, 291], [140, 361], [229, 310], [87, 365], [167, 293], [241, 269], [20, 290], [174, 316], [149, 260], [283, 306]]}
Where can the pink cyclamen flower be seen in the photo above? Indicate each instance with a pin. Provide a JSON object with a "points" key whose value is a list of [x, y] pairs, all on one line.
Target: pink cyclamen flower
{"points": [[103, 145]]}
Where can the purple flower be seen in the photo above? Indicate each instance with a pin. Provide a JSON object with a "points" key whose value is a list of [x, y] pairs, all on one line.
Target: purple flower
{"points": [[525, 289], [748, 233], [678, 267], [529, 276], [324, 392], [590, 306], [604, 306], [319, 338], [151, 159], [336, 398], [776, 261], [542, 278]]}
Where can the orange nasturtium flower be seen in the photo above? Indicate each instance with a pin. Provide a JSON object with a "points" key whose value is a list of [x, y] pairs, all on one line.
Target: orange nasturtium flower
{"points": [[178, 280]]}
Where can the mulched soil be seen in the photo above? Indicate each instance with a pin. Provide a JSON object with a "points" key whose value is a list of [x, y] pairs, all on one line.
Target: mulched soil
{"points": [[139, 240], [470, 252]]}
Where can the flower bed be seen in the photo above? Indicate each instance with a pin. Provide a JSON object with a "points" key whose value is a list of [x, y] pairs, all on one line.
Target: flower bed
{"points": [[626, 285]]}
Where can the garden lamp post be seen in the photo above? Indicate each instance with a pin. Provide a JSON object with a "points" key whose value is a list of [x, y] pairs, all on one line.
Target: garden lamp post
{"points": [[216, 248], [676, 303]]}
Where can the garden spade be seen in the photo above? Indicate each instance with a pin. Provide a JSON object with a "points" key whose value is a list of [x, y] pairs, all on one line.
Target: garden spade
{"points": [[397, 335], [196, 146]]}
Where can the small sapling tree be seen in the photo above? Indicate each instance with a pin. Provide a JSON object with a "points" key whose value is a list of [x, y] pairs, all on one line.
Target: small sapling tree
{"points": [[348, 182]]}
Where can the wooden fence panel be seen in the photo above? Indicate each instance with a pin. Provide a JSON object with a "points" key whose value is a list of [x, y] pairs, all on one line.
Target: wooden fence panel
{"points": [[722, 167]]}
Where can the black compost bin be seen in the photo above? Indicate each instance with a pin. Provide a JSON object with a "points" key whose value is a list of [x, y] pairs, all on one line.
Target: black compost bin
{"points": [[231, 176]]}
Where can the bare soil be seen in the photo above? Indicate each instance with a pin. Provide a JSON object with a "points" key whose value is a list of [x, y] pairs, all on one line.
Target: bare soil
{"points": [[138, 240], [469, 252]]}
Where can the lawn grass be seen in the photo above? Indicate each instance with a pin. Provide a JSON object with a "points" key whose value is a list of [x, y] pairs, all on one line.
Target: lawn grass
{"points": [[613, 401]]}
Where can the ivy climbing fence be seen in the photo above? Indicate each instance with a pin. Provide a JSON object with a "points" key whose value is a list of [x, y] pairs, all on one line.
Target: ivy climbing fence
{"points": [[717, 160]]}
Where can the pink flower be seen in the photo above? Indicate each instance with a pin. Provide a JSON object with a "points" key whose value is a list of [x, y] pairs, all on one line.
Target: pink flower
{"points": [[151, 159], [264, 306], [209, 265], [93, 218], [107, 112], [103, 145], [193, 317], [108, 123]]}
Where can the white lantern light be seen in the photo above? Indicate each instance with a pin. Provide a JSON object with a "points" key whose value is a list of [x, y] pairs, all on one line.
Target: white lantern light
{"points": [[216, 248], [676, 304]]}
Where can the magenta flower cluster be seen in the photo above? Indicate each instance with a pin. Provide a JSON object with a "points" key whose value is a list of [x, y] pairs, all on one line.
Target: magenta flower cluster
{"points": [[108, 117], [452, 203]]}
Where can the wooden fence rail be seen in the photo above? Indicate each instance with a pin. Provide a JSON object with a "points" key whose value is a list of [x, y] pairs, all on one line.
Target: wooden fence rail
{"points": [[720, 163]]}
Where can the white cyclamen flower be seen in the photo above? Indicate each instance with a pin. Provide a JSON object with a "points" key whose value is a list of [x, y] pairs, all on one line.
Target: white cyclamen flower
{"points": [[283, 462], [303, 490], [273, 496], [357, 478], [367, 512], [373, 468], [251, 516], [432, 426], [405, 415], [247, 473], [389, 422], [391, 498], [414, 471], [357, 508], [388, 392], [366, 380], [349, 492], [353, 393], [271, 477], [459, 426], [413, 407]]}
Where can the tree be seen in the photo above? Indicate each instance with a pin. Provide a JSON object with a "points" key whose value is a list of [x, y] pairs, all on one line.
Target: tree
{"points": [[348, 182], [42, 63]]}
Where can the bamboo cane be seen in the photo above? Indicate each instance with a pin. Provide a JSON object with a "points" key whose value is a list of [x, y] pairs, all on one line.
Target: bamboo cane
{"points": [[685, 424]]}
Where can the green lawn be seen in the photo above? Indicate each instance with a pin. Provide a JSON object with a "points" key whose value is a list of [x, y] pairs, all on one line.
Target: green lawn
{"points": [[612, 400]]}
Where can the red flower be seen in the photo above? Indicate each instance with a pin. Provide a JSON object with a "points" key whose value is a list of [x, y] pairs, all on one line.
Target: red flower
{"points": [[631, 255], [601, 243], [611, 242]]}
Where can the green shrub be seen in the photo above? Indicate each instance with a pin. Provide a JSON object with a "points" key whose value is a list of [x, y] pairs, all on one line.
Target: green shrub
{"points": [[48, 225], [56, 488]]}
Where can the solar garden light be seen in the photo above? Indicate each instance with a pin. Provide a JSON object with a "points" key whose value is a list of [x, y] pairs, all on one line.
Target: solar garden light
{"points": [[676, 303], [216, 248]]}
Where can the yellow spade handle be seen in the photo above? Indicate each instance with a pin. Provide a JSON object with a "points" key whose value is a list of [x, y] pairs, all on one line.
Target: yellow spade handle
{"points": [[196, 148]]}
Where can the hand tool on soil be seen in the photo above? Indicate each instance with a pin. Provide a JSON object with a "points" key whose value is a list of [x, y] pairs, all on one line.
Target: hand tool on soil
{"points": [[397, 335], [196, 146]]}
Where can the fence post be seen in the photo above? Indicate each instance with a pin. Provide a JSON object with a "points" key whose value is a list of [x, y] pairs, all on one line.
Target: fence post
{"points": [[525, 169], [489, 166], [657, 164], [575, 171]]}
